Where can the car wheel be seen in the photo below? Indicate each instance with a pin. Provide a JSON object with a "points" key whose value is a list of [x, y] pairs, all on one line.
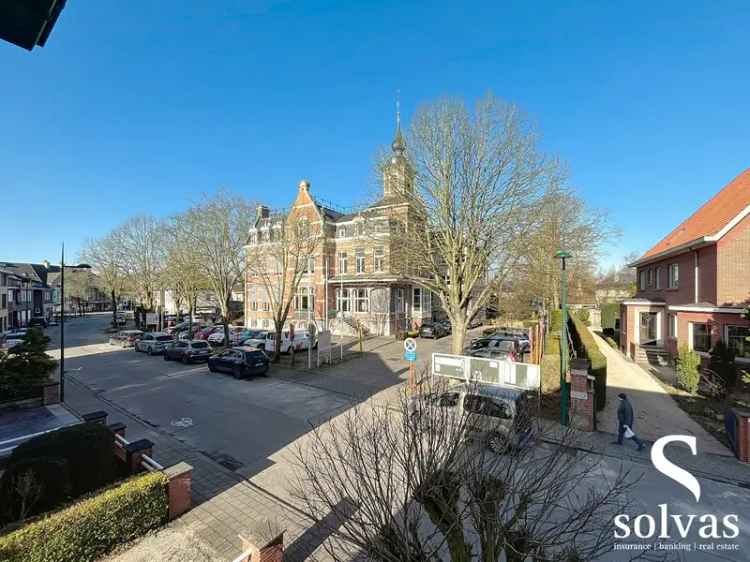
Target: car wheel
{"points": [[211, 368], [150, 351], [185, 359], [265, 372]]}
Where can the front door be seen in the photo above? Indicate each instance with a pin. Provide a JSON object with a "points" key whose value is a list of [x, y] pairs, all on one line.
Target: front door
{"points": [[648, 328]]}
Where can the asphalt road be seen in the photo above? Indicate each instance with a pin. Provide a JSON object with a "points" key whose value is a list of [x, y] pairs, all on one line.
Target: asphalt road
{"points": [[242, 423]]}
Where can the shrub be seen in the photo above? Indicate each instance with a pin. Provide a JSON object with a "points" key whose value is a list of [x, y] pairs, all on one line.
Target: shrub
{"points": [[584, 315], [87, 449], [555, 321], [688, 369], [24, 367], [586, 347], [50, 478], [610, 312], [550, 367], [722, 363], [93, 526]]}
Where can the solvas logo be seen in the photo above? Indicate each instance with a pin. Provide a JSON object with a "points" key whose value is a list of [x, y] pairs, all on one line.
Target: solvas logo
{"points": [[668, 525]]}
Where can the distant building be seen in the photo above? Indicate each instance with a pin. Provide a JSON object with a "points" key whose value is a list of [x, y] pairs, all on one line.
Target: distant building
{"points": [[693, 287]]}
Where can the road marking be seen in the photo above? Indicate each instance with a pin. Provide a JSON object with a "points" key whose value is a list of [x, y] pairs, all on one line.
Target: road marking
{"points": [[185, 372]]}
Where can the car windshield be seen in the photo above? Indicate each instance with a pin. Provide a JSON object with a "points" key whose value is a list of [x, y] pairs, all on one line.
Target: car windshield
{"points": [[505, 345], [255, 355], [164, 338], [199, 345]]}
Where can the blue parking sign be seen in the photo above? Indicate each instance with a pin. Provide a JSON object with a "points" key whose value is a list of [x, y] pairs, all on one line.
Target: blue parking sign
{"points": [[410, 355]]}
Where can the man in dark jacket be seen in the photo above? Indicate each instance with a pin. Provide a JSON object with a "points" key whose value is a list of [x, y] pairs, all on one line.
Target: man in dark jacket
{"points": [[625, 419]]}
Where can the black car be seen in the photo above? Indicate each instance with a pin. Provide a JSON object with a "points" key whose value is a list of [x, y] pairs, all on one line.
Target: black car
{"points": [[240, 362], [38, 321], [187, 351], [435, 330]]}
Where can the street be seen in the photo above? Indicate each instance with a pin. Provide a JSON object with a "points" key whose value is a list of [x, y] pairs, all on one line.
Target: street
{"points": [[248, 426]]}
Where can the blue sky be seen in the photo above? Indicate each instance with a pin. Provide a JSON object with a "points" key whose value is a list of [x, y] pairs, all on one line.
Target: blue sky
{"points": [[137, 107]]}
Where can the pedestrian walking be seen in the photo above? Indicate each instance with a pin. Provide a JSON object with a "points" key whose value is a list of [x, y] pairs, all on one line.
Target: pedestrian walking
{"points": [[625, 420]]}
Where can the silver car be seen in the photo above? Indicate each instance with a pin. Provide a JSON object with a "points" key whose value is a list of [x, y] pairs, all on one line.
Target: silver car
{"points": [[154, 342]]}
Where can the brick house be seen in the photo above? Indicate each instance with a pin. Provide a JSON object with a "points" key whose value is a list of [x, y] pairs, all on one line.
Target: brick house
{"points": [[693, 287], [351, 277]]}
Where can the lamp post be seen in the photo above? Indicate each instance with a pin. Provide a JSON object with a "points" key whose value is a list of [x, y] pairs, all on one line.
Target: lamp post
{"points": [[62, 324], [562, 255]]}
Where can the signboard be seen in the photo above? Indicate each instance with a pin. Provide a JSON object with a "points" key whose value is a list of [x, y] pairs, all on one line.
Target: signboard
{"points": [[490, 371], [410, 349], [578, 395], [324, 341]]}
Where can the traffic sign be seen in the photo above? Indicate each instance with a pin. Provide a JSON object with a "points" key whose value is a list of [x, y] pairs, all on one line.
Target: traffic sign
{"points": [[410, 344], [410, 355]]}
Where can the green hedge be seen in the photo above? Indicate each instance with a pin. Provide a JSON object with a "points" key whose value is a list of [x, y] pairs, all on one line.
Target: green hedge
{"points": [[587, 348], [610, 311], [555, 321], [92, 527], [551, 364]]}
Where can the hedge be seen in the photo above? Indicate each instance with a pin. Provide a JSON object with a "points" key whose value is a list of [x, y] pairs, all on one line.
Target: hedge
{"points": [[88, 449], [610, 311], [586, 347], [550, 367], [90, 528]]}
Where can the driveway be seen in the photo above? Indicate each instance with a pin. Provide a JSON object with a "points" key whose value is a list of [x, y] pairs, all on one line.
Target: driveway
{"points": [[655, 412]]}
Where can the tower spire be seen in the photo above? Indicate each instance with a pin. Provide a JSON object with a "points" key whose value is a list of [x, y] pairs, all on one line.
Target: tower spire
{"points": [[398, 145]]}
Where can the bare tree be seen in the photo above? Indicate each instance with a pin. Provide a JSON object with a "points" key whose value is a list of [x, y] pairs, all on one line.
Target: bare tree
{"points": [[142, 244], [479, 183], [403, 483], [217, 230], [106, 259], [278, 259]]}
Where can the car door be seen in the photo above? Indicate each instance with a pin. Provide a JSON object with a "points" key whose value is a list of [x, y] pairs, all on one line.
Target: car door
{"points": [[179, 349]]}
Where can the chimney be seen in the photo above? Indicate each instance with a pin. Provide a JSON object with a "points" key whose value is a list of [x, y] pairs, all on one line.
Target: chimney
{"points": [[304, 185], [262, 212]]}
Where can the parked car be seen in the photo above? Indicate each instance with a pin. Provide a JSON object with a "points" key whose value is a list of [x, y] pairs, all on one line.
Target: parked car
{"points": [[432, 330], [203, 333], [447, 326], [241, 361], [498, 348], [125, 338], [268, 343], [495, 415], [188, 351], [217, 337], [13, 338], [253, 338], [153, 342]]}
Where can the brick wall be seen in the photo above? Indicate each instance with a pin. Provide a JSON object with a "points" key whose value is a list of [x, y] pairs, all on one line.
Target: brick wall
{"points": [[733, 271], [685, 291]]}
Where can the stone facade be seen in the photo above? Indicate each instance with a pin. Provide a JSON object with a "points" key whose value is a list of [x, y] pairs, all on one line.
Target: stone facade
{"points": [[351, 279]]}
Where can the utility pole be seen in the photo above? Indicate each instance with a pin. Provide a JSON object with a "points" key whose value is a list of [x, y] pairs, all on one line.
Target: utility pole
{"points": [[564, 388], [62, 324]]}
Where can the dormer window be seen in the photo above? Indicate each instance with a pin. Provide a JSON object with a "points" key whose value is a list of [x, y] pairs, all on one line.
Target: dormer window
{"points": [[674, 275]]}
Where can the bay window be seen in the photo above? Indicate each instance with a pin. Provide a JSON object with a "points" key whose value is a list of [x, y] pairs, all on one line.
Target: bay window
{"points": [[362, 301], [737, 340], [343, 300]]}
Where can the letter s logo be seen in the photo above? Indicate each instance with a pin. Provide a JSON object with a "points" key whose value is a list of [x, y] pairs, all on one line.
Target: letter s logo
{"points": [[670, 469]]}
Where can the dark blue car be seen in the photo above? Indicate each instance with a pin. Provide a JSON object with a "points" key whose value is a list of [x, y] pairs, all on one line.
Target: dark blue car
{"points": [[240, 362]]}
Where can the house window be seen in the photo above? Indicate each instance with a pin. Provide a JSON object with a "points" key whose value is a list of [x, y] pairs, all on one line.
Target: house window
{"points": [[254, 305], [378, 256], [650, 277], [642, 280], [342, 262], [359, 228], [360, 260], [266, 306], [310, 266], [252, 323], [701, 337], [362, 301], [416, 302], [658, 277], [399, 300], [738, 340], [264, 323], [674, 275], [343, 300]]}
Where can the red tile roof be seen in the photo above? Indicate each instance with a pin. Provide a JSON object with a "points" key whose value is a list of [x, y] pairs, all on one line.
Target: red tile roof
{"points": [[710, 218]]}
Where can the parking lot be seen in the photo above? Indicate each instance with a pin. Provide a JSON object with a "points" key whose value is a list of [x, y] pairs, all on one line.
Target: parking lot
{"points": [[239, 423]]}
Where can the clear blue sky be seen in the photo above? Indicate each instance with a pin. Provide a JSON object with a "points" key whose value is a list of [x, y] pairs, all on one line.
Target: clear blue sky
{"points": [[142, 106]]}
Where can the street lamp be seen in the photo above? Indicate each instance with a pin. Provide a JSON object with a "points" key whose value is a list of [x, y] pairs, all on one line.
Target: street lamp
{"points": [[562, 255]]}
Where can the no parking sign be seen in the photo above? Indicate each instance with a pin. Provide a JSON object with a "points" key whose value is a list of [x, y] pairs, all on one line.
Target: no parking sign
{"points": [[410, 349]]}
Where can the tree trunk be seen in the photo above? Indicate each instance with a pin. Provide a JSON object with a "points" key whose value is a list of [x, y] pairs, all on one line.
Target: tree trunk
{"points": [[459, 326], [114, 308], [225, 313], [277, 351]]}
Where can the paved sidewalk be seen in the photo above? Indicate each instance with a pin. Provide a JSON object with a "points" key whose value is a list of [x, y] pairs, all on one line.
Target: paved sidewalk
{"points": [[656, 413]]}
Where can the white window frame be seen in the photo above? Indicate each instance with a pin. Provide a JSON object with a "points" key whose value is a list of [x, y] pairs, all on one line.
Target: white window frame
{"points": [[359, 260], [361, 300], [343, 299], [343, 262], [378, 259], [674, 275], [416, 299], [658, 277], [672, 327], [642, 279]]}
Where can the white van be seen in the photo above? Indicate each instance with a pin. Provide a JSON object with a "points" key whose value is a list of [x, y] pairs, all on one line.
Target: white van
{"points": [[268, 344]]}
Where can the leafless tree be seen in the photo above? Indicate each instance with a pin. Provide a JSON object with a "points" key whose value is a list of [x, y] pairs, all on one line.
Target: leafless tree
{"points": [[403, 483], [479, 184], [216, 230], [141, 241], [28, 490], [107, 261], [277, 262]]}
